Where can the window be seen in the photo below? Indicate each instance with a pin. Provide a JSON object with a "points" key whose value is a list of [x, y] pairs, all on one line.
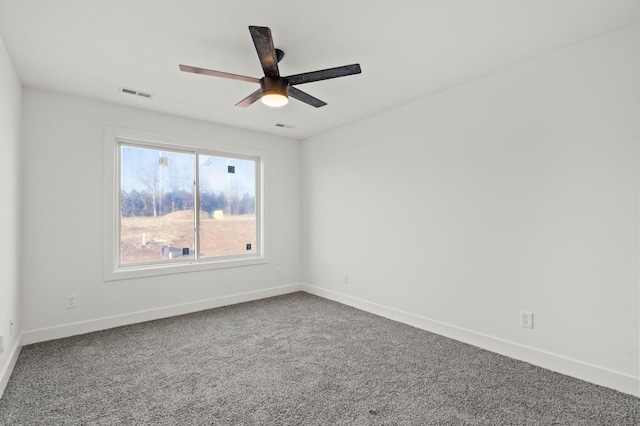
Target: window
{"points": [[180, 205]]}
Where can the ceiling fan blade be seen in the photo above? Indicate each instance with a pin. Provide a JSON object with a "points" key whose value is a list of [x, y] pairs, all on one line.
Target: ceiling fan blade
{"points": [[249, 99], [309, 77], [204, 71], [305, 97], [263, 42]]}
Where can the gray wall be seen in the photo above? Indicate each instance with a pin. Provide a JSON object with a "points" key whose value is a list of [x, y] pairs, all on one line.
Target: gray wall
{"points": [[64, 143], [10, 162], [515, 192]]}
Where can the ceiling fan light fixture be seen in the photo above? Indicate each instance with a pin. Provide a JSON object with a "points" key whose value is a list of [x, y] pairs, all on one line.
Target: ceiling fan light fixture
{"points": [[274, 91], [274, 99]]}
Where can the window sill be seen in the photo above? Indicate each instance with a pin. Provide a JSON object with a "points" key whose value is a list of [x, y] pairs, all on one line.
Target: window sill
{"points": [[132, 272]]}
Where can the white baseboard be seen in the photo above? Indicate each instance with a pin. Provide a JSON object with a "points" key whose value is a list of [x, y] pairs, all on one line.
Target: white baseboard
{"points": [[558, 363], [7, 369], [67, 330]]}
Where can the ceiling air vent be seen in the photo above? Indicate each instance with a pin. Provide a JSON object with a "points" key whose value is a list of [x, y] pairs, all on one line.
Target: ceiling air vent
{"points": [[136, 92], [284, 126]]}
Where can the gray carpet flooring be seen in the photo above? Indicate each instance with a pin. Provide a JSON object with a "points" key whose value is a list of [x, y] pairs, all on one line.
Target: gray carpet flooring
{"points": [[291, 360]]}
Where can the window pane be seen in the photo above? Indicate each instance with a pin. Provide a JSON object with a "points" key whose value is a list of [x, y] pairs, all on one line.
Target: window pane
{"points": [[227, 206], [157, 213]]}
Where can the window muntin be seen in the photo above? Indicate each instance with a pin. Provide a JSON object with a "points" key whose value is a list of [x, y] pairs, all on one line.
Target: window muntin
{"points": [[160, 191]]}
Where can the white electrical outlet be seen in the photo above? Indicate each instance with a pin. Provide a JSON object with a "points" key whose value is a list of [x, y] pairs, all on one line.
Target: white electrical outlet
{"points": [[526, 319], [345, 279], [72, 301], [11, 324], [278, 272], [1, 343]]}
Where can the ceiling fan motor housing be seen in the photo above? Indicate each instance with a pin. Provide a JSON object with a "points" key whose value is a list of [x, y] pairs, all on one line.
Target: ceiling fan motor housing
{"points": [[274, 86]]}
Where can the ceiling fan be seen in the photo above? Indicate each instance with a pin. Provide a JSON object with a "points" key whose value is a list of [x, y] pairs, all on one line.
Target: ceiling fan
{"points": [[274, 89]]}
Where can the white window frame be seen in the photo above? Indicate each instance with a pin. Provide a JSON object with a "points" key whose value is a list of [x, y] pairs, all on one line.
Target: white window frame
{"points": [[112, 268]]}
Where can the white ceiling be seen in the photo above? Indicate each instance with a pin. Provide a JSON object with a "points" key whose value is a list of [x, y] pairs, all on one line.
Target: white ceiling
{"points": [[407, 49]]}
